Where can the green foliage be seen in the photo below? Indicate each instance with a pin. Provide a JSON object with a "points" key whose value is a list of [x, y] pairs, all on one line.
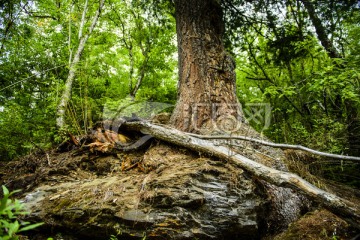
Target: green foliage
{"points": [[23, 130], [130, 61], [315, 99], [311, 95], [129, 45], [10, 211]]}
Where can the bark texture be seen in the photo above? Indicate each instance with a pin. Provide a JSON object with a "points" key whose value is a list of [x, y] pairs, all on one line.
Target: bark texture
{"points": [[207, 98]]}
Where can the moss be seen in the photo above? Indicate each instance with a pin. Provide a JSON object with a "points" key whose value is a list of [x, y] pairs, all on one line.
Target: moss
{"points": [[62, 204], [317, 225]]}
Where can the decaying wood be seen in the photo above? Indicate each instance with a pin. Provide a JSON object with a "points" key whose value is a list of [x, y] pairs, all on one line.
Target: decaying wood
{"points": [[280, 178], [107, 141], [279, 145]]}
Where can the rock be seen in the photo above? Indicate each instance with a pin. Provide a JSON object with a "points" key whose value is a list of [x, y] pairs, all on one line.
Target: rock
{"points": [[161, 193], [191, 197]]}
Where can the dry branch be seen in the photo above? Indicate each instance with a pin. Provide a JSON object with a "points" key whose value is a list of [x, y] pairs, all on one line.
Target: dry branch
{"points": [[280, 178], [280, 145]]}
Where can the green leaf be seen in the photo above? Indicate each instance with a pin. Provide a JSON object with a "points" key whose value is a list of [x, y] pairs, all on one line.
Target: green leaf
{"points": [[13, 228], [30, 227], [5, 190]]}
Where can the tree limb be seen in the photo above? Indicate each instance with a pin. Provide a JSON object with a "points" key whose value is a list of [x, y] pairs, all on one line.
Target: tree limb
{"points": [[60, 119], [82, 23], [280, 178], [320, 30], [279, 145]]}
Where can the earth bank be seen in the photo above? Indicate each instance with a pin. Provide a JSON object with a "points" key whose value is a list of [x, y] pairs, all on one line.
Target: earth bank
{"points": [[164, 192]]}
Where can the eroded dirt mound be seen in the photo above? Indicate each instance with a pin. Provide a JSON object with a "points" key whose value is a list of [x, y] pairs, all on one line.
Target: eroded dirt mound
{"points": [[318, 225], [163, 192]]}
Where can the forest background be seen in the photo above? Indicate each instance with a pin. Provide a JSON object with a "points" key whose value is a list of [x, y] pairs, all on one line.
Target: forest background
{"points": [[297, 65]]}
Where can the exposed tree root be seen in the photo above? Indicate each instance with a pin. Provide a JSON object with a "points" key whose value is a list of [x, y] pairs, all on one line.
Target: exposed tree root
{"points": [[279, 145], [332, 202]]}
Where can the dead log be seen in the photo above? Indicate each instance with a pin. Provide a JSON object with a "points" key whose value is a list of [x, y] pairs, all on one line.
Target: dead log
{"points": [[330, 201]]}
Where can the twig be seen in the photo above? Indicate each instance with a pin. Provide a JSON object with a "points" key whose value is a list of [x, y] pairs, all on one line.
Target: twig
{"points": [[43, 151], [38, 147], [48, 159]]}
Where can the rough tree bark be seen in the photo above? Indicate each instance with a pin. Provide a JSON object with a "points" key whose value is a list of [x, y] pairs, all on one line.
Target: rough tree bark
{"points": [[60, 119], [206, 92]]}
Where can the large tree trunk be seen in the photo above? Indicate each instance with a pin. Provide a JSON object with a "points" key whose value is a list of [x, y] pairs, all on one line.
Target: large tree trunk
{"points": [[206, 91]]}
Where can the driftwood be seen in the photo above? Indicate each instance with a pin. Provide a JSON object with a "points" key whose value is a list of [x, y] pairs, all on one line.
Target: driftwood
{"points": [[330, 201], [280, 145]]}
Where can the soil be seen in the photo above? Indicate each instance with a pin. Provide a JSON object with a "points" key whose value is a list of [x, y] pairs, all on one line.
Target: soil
{"points": [[164, 192]]}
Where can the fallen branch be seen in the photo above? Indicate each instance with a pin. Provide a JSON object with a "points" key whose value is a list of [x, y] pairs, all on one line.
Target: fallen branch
{"points": [[279, 145], [280, 178]]}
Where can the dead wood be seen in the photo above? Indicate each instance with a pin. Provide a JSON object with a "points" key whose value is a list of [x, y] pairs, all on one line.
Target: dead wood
{"points": [[332, 202], [279, 145]]}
